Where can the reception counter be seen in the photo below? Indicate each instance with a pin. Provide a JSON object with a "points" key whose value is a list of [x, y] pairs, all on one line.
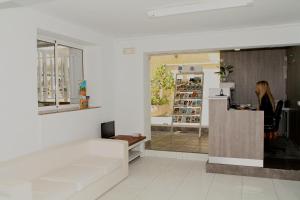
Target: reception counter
{"points": [[236, 137]]}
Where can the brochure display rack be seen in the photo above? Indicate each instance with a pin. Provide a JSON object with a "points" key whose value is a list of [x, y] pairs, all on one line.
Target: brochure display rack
{"points": [[188, 98]]}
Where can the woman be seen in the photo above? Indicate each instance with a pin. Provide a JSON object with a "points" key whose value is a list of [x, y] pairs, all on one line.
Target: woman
{"points": [[266, 103]]}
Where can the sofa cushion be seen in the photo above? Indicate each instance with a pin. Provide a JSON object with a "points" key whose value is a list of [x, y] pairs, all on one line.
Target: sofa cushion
{"points": [[84, 171], [50, 190], [107, 164], [79, 175]]}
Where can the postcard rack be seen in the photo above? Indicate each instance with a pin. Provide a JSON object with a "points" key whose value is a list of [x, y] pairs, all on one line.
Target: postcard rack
{"points": [[188, 98]]}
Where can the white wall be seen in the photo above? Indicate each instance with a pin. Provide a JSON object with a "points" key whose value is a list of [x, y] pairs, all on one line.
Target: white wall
{"points": [[211, 80], [132, 104], [22, 129], [18, 115], [64, 127]]}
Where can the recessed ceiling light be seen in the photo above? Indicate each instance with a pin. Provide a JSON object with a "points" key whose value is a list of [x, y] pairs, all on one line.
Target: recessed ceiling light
{"points": [[198, 7]]}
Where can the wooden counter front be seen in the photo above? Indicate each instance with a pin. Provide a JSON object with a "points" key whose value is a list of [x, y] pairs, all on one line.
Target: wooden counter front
{"points": [[237, 134]]}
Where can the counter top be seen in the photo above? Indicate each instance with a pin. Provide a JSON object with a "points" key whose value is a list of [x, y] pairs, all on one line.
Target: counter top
{"points": [[218, 97]]}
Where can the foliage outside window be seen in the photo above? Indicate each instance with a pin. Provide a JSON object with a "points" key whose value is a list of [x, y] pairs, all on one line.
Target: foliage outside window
{"points": [[162, 85]]}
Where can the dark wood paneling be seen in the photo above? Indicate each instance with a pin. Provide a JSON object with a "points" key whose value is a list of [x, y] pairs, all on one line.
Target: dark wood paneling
{"points": [[293, 73], [251, 66], [295, 126], [293, 91]]}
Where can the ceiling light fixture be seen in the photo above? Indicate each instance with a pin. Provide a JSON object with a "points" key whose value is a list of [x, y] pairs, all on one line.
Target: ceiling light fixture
{"points": [[198, 7]]}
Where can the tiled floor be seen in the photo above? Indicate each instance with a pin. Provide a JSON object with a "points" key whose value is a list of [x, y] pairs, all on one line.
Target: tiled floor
{"points": [[178, 141], [171, 179]]}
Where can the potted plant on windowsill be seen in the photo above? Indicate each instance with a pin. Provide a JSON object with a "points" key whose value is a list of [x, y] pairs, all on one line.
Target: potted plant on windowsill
{"points": [[162, 85]]}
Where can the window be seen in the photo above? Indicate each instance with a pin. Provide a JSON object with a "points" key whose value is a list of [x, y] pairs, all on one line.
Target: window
{"points": [[60, 72]]}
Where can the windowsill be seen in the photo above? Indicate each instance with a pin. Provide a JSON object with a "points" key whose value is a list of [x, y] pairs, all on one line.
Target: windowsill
{"points": [[62, 110]]}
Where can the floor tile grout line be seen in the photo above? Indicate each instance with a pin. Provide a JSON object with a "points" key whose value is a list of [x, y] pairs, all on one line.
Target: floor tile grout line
{"points": [[142, 188], [158, 175], [179, 184], [155, 178], [275, 190], [210, 185], [242, 193]]}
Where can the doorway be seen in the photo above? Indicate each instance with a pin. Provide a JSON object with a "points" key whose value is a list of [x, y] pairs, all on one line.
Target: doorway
{"points": [[173, 78]]}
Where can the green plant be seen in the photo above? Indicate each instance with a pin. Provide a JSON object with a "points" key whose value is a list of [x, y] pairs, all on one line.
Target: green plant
{"points": [[225, 71], [161, 85]]}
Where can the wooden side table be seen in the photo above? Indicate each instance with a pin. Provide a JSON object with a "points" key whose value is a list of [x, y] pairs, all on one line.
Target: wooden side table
{"points": [[136, 145]]}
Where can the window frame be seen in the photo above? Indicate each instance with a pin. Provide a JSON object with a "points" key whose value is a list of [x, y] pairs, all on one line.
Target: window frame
{"points": [[57, 42]]}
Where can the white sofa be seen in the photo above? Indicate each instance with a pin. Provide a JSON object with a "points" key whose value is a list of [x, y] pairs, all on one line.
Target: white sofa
{"points": [[82, 170]]}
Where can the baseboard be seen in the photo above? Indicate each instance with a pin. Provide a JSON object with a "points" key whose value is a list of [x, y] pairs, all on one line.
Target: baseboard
{"points": [[236, 161], [253, 171], [177, 155]]}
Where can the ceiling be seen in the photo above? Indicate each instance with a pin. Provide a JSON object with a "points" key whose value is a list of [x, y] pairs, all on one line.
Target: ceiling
{"points": [[4, 4], [126, 18]]}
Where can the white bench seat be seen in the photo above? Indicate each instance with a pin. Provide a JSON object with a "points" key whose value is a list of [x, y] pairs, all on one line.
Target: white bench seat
{"points": [[50, 190], [83, 170]]}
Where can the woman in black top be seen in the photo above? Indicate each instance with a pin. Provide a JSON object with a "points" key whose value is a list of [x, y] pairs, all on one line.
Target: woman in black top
{"points": [[266, 101]]}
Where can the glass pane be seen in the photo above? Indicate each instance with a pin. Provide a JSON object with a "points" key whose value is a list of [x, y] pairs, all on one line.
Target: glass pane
{"points": [[46, 74], [69, 74]]}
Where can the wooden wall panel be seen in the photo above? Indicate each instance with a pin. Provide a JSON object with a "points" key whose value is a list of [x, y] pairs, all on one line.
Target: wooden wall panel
{"points": [[251, 66], [235, 133]]}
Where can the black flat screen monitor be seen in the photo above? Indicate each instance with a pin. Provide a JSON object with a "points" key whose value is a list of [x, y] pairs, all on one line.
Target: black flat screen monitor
{"points": [[108, 129]]}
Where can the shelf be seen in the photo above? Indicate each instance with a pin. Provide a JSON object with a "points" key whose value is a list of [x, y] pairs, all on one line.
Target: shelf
{"points": [[188, 92], [188, 99], [196, 91], [197, 115], [133, 155], [187, 106], [193, 125]]}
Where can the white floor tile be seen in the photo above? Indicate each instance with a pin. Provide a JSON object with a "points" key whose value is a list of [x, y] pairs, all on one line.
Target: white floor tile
{"points": [[121, 192], [166, 183], [225, 187], [177, 179], [195, 186], [287, 190], [258, 189]]}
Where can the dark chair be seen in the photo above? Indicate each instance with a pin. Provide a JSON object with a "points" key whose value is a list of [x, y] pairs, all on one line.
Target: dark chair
{"points": [[273, 126], [275, 119]]}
